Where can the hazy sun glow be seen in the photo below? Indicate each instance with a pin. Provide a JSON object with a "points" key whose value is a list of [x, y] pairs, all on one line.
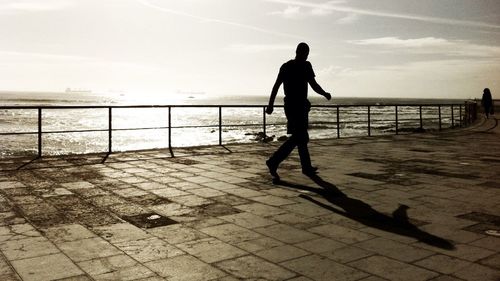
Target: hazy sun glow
{"points": [[208, 48]]}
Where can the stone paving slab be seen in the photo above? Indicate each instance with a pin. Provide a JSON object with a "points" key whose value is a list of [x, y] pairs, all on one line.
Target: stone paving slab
{"points": [[405, 207]]}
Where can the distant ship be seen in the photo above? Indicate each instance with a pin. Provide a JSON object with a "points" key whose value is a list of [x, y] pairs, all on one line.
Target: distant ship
{"points": [[77, 91]]}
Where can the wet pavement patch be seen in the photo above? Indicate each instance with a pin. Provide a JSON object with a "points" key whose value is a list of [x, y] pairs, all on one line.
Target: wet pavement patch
{"points": [[149, 220], [217, 210], [185, 161], [237, 162], [421, 150], [481, 228], [92, 218], [149, 199], [128, 209], [49, 220], [424, 161], [40, 214], [491, 184], [417, 165], [231, 200], [16, 191], [70, 203], [382, 161], [490, 159], [5, 207], [482, 218], [287, 166], [434, 172], [417, 223], [387, 177]]}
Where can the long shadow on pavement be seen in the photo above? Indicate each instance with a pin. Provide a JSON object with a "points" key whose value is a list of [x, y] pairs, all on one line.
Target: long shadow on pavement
{"points": [[359, 211]]}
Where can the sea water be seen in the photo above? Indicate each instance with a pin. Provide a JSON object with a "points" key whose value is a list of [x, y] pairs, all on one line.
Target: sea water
{"points": [[147, 128]]}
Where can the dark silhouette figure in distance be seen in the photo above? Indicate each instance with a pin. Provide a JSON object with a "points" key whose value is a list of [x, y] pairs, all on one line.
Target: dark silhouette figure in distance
{"points": [[295, 75], [487, 102]]}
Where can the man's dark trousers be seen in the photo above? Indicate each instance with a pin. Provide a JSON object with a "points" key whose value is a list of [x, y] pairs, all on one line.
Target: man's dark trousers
{"points": [[297, 115], [298, 139]]}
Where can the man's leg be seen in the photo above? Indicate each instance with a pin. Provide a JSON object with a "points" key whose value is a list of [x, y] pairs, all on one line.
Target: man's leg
{"points": [[305, 158], [284, 150], [281, 154]]}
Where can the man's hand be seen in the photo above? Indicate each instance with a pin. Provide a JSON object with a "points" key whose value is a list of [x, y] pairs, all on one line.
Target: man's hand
{"points": [[269, 109], [328, 96]]}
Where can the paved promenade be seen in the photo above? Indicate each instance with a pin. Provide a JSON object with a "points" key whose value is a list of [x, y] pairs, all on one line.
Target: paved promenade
{"points": [[407, 207]]}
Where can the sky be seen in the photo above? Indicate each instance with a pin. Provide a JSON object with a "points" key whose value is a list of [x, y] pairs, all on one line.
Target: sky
{"points": [[359, 48]]}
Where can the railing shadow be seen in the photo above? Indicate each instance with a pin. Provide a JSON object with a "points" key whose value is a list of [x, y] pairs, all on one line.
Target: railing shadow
{"points": [[77, 160], [361, 212], [27, 163]]}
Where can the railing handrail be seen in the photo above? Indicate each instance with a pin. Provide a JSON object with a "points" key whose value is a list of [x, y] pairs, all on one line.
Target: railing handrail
{"points": [[211, 106], [466, 116]]}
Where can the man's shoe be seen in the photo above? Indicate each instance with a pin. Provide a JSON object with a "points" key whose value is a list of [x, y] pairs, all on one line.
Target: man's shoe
{"points": [[310, 171], [273, 170]]}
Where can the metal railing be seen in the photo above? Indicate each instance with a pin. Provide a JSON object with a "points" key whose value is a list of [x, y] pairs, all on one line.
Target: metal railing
{"points": [[467, 113]]}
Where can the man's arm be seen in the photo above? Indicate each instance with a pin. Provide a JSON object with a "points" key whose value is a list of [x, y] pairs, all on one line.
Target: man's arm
{"points": [[274, 92], [317, 88]]}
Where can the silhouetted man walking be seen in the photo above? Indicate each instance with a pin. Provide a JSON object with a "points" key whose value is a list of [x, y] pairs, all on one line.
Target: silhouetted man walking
{"points": [[295, 75]]}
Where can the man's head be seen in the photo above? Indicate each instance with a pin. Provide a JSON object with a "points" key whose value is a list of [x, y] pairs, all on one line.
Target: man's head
{"points": [[302, 52]]}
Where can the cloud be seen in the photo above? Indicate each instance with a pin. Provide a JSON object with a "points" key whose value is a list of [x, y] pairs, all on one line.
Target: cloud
{"points": [[219, 21], [407, 43], [289, 12], [332, 70], [296, 11], [432, 45], [334, 6], [22, 6], [257, 48], [322, 9], [350, 18]]}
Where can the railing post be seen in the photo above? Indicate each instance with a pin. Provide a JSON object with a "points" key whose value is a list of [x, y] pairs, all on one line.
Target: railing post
{"points": [[461, 117], [467, 111], [170, 128], [264, 120], [170, 131], [110, 130], [439, 113], [220, 125], [369, 120], [474, 111], [397, 125], [338, 123], [452, 117], [39, 132], [420, 113]]}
